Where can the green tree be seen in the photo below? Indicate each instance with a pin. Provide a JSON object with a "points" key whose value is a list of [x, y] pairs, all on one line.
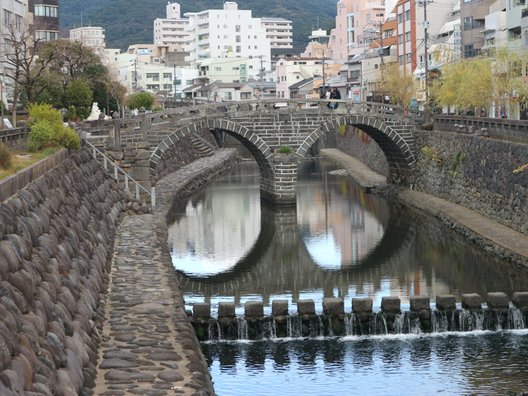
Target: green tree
{"points": [[465, 85], [78, 95], [399, 85], [140, 99]]}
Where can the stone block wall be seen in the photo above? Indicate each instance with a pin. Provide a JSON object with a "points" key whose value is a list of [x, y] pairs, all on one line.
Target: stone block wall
{"points": [[55, 240], [358, 144], [475, 172], [471, 170]]}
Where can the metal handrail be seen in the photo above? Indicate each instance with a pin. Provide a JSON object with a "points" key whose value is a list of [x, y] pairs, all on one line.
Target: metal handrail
{"points": [[127, 177]]}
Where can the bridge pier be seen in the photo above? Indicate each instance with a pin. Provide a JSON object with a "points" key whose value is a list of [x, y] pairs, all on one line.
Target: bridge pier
{"points": [[278, 184]]}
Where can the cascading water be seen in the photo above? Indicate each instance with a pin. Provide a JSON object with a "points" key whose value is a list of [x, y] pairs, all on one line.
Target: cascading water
{"points": [[379, 323]]}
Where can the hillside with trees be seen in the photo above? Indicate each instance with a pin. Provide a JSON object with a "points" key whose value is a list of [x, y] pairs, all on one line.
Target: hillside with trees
{"points": [[131, 21]]}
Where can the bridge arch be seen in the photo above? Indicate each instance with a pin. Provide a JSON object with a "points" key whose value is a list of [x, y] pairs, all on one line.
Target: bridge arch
{"points": [[259, 149], [396, 143]]}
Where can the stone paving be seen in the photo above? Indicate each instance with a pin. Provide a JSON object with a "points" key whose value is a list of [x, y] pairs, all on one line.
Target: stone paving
{"points": [[148, 345]]}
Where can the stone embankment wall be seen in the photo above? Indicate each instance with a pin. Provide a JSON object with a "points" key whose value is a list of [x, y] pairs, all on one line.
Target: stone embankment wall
{"points": [[55, 240], [358, 144], [473, 171]]}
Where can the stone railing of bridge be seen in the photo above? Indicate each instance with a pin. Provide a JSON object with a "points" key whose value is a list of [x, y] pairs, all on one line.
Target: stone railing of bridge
{"points": [[497, 128]]}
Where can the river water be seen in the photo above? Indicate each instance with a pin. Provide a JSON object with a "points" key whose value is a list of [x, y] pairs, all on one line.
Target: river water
{"points": [[341, 242]]}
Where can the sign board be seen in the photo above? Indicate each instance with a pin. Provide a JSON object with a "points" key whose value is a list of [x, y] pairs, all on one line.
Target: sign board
{"points": [[7, 123]]}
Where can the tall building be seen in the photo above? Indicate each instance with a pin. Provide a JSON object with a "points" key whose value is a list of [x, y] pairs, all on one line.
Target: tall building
{"points": [[357, 24], [45, 19], [14, 17], [472, 16], [278, 32], [229, 32], [172, 30], [90, 36]]}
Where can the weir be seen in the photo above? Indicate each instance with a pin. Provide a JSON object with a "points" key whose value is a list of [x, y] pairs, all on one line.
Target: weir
{"points": [[497, 314]]}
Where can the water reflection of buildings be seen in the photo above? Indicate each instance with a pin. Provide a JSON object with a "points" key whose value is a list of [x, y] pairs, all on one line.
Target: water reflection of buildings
{"points": [[338, 218], [217, 229]]}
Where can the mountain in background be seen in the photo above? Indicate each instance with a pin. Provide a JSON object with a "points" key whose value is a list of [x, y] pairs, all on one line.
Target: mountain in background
{"points": [[131, 21]]}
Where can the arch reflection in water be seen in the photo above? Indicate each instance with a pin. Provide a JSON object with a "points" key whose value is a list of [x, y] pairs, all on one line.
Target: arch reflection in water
{"points": [[340, 226], [415, 256], [214, 231]]}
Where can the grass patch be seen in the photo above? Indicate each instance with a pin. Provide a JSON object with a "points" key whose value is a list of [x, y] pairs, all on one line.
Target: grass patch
{"points": [[22, 159]]}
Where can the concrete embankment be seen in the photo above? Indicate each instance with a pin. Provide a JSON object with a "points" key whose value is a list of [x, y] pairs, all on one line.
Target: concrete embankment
{"points": [[484, 232]]}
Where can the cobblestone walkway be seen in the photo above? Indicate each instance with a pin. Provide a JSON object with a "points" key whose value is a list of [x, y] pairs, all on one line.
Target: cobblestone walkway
{"points": [[148, 347]]}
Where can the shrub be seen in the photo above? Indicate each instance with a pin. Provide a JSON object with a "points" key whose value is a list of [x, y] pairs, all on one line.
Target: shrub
{"points": [[71, 114], [40, 135], [284, 150], [66, 137], [140, 99], [43, 112], [157, 108], [5, 157]]}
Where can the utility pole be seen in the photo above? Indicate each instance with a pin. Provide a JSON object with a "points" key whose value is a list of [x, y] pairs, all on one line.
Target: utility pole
{"points": [[426, 60], [135, 87], [324, 83]]}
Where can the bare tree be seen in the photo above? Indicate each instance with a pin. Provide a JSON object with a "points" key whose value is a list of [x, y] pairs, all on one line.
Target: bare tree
{"points": [[23, 66]]}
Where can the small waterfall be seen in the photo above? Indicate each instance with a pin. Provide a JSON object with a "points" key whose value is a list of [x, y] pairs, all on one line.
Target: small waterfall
{"points": [[269, 329], [350, 324], [442, 321], [515, 319], [377, 323], [471, 320], [294, 326], [242, 329], [401, 323]]}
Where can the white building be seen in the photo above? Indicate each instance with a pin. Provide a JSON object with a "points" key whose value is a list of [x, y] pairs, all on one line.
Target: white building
{"points": [[172, 30], [224, 70], [14, 15], [229, 32], [293, 70], [90, 36], [278, 32], [137, 73]]}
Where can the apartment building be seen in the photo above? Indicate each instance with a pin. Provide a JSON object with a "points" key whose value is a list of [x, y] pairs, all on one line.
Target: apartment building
{"points": [[45, 19], [229, 32], [293, 70], [13, 16], [357, 24], [172, 30], [90, 36], [278, 32]]}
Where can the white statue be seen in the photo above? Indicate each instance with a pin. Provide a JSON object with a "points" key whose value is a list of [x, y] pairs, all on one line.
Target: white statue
{"points": [[94, 114]]}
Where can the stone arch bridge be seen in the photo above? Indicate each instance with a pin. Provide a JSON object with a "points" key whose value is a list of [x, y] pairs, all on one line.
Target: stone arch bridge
{"points": [[280, 133]]}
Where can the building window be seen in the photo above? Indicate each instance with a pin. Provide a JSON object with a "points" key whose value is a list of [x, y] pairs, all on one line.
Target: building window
{"points": [[237, 28], [153, 76], [408, 36], [469, 51], [7, 17], [46, 10], [400, 60], [468, 23], [245, 95], [46, 35], [408, 15], [167, 76], [400, 38], [400, 18]]}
